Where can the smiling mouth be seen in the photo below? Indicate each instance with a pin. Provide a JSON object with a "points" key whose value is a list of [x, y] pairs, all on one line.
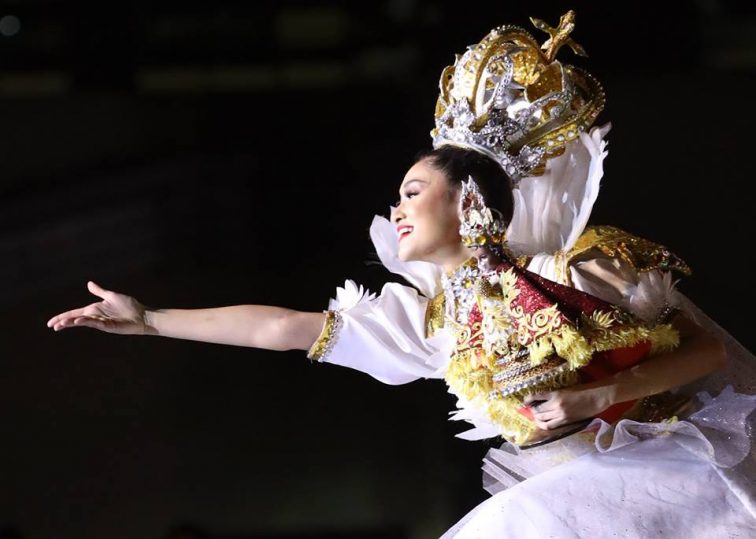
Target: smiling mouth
{"points": [[404, 232]]}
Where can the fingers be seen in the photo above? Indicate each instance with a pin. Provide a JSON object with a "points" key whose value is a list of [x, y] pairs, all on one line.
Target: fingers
{"points": [[96, 322], [97, 290], [549, 424], [553, 424], [73, 313], [64, 323], [543, 396], [91, 322], [71, 318], [65, 319], [550, 415], [548, 412]]}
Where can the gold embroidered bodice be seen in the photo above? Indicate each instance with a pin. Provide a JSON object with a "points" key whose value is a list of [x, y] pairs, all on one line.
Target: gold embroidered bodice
{"points": [[518, 333]]}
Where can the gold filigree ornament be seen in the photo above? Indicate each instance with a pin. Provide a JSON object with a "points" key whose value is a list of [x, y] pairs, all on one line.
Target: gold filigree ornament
{"points": [[639, 253], [480, 226], [507, 97]]}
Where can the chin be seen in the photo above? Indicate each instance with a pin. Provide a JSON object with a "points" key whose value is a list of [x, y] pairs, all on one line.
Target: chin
{"points": [[406, 255], [411, 257]]}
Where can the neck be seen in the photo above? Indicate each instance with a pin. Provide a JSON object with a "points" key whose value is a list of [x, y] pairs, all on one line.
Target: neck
{"points": [[487, 259], [451, 263]]}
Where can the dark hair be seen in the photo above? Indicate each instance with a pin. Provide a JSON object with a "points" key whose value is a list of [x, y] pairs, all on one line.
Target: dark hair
{"points": [[458, 164]]}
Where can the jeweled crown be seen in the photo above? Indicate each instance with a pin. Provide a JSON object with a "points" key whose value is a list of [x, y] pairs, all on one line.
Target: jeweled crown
{"points": [[508, 98]]}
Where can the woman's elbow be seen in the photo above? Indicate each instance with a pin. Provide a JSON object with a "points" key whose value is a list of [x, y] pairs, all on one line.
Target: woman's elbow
{"points": [[708, 349], [298, 330]]}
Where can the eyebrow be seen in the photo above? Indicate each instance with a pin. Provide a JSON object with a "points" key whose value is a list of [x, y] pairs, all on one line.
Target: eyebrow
{"points": [[408, 182]]}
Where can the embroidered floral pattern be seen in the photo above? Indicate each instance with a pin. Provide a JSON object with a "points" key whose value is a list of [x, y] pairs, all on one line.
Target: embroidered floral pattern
{"points": [[523, 333]]}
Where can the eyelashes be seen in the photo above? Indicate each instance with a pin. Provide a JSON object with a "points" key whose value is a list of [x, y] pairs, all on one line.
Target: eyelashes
{"points": [[408, 195]]}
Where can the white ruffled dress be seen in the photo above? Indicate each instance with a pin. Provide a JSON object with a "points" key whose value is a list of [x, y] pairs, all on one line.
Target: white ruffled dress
{"points": [[690, 478]]}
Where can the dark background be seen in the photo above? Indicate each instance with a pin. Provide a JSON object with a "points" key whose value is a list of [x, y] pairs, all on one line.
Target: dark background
{"points": [[199, 154]]}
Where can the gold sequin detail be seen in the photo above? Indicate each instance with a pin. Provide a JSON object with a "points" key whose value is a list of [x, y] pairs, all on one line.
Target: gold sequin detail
{"points": [[434, 315], [639, 253], [324, 343]]}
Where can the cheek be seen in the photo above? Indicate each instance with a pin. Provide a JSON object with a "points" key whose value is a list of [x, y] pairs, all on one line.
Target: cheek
{"points": [[453, 222], [441, 223], [446, 217]]}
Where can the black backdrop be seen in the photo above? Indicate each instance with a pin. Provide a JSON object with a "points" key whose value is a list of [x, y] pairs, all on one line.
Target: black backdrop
{"points": [[207, 154]]}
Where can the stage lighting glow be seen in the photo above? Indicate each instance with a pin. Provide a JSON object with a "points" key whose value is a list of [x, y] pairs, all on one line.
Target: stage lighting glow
{"points": [[9, 25]]}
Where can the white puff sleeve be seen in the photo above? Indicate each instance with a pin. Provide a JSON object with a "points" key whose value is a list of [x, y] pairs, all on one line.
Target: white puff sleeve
{"points": [[385, 336], [382, 336]]}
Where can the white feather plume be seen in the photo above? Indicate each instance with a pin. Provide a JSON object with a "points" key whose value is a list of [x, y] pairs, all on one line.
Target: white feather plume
{"points": [[654, 291], [349, 296], [552, 210]]}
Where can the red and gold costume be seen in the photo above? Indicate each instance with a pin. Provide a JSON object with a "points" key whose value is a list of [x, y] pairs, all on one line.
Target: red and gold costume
{"points": [[571, 304], [520, 333]]}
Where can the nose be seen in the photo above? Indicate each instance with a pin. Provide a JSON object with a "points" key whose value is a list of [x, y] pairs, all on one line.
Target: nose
{"points": [[397, 214]]}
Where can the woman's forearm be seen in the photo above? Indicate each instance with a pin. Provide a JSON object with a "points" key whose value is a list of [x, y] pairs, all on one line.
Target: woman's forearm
{"points": [[257, 326], [698, 354]]}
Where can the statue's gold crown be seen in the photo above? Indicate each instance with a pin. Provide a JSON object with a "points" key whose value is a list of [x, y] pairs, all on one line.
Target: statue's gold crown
{"points": [[508, 98]]}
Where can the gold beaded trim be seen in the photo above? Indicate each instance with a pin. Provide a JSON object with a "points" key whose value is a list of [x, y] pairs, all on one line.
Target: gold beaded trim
{"points": [[327, 339]]}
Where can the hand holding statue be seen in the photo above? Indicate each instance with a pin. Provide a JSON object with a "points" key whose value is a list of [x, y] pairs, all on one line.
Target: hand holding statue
{"points": [[553, 409], [116, 313]]}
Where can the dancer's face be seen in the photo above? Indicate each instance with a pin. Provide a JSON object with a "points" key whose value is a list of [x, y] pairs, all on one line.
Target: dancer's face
{"points": [[427, 219]]}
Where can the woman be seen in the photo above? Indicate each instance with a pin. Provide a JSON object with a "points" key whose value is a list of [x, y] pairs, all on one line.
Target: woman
{"points": [[532, 385], [388, 331]]}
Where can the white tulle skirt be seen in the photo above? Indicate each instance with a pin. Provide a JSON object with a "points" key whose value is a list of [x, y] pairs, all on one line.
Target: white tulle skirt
{"points": [[689, 479]]}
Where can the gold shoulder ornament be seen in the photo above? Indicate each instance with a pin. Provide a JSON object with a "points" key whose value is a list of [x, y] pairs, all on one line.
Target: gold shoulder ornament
{"points": [[641, 254]]}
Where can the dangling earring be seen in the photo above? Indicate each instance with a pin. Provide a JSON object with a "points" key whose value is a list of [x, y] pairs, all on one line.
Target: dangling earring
{"points": [[480, 226]]}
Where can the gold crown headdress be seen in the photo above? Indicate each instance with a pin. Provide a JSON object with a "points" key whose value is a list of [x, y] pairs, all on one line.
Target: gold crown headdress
{"points": [[508, 98]]}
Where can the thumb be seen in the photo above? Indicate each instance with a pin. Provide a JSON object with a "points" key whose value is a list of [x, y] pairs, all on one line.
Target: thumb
{"points": [[96, 289]]}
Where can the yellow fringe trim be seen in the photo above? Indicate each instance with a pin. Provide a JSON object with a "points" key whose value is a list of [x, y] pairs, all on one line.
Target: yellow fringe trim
{"points": [[664, 338], [467, 377], [577, 349], [470, 372], [514, 426]]}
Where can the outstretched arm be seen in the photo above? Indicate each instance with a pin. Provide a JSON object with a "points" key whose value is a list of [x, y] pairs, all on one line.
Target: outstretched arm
{"points": [[698, 354], [257, 326]]}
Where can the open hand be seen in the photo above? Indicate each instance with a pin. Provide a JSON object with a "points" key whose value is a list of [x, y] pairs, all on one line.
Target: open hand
{"points": [[116, 313]]}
